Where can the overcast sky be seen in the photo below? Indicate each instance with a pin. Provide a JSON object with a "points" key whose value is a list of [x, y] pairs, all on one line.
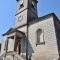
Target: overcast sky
{"points": [[8, 11]]}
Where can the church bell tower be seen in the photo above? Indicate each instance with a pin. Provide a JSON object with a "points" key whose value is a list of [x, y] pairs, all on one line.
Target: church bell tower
{"points": [[26, 11]]}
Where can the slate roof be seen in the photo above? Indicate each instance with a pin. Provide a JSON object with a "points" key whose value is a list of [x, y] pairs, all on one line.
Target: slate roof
{"points": [[32, 22], [11, 30], [43, 18]]}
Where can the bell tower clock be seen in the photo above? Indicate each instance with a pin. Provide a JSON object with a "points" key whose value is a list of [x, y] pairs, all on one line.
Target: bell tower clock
{"points": [[26, 11]]}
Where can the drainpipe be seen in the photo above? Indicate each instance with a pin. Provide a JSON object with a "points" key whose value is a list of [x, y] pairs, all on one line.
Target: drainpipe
{"points": [[27, 42]]}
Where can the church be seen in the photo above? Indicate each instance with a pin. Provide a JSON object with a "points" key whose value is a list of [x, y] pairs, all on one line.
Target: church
{"points": [[33, 37]]}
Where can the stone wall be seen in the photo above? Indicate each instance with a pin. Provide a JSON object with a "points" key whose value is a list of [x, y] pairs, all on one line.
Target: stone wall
{"points": [[49, 50]]}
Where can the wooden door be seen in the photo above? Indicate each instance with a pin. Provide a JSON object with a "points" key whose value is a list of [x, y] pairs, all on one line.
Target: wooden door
{"points": [[18, 48]]}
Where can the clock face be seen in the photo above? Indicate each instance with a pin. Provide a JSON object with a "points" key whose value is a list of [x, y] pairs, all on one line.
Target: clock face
{"points": [[20, 18]]}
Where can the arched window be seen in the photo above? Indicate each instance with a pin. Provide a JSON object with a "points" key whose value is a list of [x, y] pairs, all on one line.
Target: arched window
{"points": [[21, 4], [40, 37]]}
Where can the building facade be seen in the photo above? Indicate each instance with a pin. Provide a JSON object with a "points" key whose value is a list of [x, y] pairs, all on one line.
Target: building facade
{"points": [[33, 37]]}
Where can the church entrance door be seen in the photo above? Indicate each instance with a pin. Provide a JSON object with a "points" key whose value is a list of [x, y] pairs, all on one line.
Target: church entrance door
{"points": [[18, 46]]}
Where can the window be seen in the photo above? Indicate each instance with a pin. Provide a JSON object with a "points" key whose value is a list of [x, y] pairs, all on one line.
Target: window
{"points": [[33, 5], [40, 37], [21, 4]]}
